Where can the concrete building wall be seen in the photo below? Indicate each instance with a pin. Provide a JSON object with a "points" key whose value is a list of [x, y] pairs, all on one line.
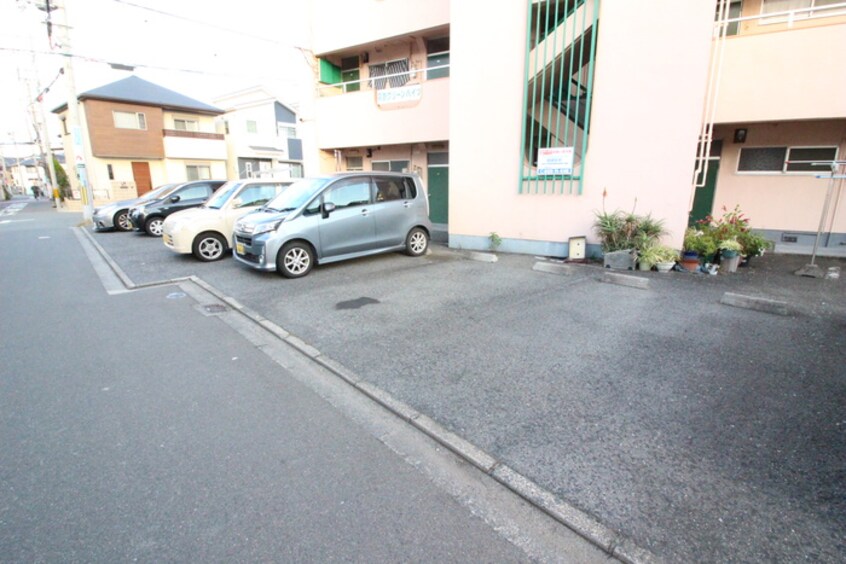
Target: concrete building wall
{"points": [[651, 71]]}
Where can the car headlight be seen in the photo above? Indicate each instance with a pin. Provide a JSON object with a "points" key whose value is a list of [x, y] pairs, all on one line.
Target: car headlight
{"points": [[265, 227]]}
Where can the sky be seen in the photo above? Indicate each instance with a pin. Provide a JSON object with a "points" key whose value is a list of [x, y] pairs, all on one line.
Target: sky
{"points": [[198, 48]]}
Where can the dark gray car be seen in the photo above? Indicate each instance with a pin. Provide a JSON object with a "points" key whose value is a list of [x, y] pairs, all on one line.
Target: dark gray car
{"points": [[333, 218]]}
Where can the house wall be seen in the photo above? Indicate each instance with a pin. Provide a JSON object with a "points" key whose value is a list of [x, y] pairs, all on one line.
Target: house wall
{"points": [[647, 111], [781, 201], [339, 25], [109, 141], [177, 172], [785, 75]]}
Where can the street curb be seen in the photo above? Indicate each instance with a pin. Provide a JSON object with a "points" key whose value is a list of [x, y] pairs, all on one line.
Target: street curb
{"points": [[625, 280], [130, 285], [765, 305], [580, 522], [553, 268], [482, 257]]}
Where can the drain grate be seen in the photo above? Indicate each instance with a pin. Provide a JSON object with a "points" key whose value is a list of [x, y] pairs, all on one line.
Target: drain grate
{"points": [[212, 309]]}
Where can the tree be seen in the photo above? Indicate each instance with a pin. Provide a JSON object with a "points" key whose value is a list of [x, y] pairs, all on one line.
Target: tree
{"points": [[62, 179]]}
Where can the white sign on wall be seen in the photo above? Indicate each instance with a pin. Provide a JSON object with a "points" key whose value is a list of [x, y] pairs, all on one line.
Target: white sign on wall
{"points": [[555, 160], [399, 95]]}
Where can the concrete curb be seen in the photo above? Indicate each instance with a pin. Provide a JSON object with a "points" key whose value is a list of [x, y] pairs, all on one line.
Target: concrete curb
{"points": [[580, 522], [765, 305], [482, 257], [553, 268], [625, 280]]}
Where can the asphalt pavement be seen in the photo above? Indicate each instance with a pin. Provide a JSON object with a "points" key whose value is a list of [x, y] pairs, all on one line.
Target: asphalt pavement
{"points": [[699, 431], [160, 425]]}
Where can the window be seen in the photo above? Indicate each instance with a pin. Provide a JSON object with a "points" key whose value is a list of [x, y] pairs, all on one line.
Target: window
{"points": [[388, 189], [252, 126], [437, 55], [198, 172], [386, 70], [349, 192], [355, 163], [110, 171], [390, 166], [65, 126], [257, 194], [775, 6], [129, 120], [296, 170], [200, 191], [286, 130], [785, 159], [350, 72], [180, 124], [735, 10]]}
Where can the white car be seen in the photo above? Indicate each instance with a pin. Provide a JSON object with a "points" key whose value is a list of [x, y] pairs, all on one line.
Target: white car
{"points": [[206, 231]]}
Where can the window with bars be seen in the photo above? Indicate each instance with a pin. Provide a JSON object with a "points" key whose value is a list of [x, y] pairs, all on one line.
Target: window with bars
{"points": [[561, 40], [769, 160], [391, 74]]}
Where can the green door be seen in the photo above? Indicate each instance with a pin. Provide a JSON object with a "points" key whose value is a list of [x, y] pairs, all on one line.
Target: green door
{"points": [[703, 199], [439, 194]]}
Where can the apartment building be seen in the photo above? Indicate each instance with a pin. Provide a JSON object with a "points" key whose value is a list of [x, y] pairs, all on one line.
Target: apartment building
{"points": [[262, 138], [779, 114], [528, 121], [136, 135]]}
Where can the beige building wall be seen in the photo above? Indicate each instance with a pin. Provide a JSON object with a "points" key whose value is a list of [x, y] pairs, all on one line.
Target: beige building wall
{"points": [[339, 25], [781, 201], [651, 70]]}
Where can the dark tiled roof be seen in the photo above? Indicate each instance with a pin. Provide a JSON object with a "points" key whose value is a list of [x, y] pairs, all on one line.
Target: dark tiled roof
{"points": [[136, 90]]}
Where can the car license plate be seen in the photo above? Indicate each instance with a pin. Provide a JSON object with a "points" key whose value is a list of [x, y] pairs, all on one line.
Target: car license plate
{"points": [[239, 248]]}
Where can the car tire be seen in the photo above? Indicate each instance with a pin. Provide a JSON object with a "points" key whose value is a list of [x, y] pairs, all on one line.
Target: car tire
{"points": [[209, 246], [416, 242], [295, 260], [153, 226], [121, 221]]}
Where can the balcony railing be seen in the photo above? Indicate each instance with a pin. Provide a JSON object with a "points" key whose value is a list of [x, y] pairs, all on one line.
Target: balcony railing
{"points": [[791, 16], [363, 84]]}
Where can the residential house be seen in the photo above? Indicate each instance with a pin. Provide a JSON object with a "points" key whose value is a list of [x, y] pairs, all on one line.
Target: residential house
{"points": [[529, 121], [261, 135], [136, 135]]}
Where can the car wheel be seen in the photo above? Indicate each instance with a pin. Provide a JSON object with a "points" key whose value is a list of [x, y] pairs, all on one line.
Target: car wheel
{"points": [[209, 246], [153, 226], [416, 242], [122, 221], [295, 260]]}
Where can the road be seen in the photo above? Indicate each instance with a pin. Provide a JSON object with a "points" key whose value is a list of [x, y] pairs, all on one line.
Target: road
{"points": [[142, 426]]}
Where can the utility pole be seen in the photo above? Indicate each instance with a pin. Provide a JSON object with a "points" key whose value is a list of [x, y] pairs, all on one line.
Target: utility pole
{"points": [[76, 148], [42, 135]]}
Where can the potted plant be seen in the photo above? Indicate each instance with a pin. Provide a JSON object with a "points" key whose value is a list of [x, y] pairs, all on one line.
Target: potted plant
{"points": [[623, 235], [730, 254], [661, 257], [753, 245]]}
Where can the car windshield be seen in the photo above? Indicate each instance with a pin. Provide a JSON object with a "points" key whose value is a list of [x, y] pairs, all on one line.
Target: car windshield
{"points": [[297, 194], [222, 195], [157, 193]]}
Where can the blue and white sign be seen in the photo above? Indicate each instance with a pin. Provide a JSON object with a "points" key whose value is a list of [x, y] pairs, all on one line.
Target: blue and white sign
{"points": [[398, 95], [555, 161]]}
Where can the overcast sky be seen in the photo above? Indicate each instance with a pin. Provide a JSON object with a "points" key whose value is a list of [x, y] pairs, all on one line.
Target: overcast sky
{"points": [[198, 48]]}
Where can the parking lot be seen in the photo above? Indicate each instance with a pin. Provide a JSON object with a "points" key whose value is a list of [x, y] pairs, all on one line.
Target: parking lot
{"points": [[700, 431]]}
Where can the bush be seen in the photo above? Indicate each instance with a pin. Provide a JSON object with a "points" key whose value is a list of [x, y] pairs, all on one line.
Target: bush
{"points": [[620, 231]]}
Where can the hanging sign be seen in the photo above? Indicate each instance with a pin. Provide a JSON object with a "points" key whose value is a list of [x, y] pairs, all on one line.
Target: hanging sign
{"points": [[399, 95], [555, 161]]}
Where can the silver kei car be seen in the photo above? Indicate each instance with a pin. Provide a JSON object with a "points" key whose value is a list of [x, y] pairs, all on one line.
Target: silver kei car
{"points": [[333, 218]]}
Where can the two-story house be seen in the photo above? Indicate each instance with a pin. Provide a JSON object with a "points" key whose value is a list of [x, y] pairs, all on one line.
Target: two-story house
{"points": [[545, 112], [136, 135], [261, 135]]}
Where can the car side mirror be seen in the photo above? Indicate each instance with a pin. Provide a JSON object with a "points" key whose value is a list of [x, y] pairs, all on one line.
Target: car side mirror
{"points": [[328, 207], [237, 202], [175, 199]]}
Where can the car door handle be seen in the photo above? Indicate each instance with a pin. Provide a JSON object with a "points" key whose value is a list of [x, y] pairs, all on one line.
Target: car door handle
{"points": [[365, 212], [406, 204]]}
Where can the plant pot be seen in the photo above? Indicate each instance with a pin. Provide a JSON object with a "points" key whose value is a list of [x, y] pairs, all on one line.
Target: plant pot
{"points": [[644, 266], [620, 260], [725, 253], [729, 264], [690, 264], [690, 255], [665, 266]]}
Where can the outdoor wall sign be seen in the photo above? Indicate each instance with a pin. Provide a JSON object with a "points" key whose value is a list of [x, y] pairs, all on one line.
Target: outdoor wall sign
{"points": [[401, 95], [555, 161]]}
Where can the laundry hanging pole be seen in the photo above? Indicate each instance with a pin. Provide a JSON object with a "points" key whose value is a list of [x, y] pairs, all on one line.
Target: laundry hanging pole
{"points": [[811, 270]]}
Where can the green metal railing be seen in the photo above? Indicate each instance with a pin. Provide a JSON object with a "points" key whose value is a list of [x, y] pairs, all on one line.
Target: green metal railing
{"points": [[557, 94]]}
